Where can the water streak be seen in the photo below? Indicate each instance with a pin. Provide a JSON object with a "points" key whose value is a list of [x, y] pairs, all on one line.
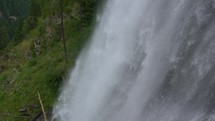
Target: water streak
{"points": [[148, 60]]}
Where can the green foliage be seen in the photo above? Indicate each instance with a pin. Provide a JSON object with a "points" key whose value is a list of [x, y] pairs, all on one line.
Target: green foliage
{"points": [[35, 9], [13, 12], [55, 78], [32, 62], [44, 72], [3, 38], [29, 23], [18, 35], [88, 10]]}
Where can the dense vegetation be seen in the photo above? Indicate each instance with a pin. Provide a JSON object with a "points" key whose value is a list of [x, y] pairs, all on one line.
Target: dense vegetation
{"points": [[34, 61], [12, 13]]}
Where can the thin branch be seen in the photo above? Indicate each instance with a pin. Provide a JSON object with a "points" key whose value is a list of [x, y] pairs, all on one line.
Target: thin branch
{"points": [[41, 103]]}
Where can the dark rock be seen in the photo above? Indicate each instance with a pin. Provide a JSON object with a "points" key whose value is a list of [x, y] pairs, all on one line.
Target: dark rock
{"points": [[40, 117], [37, 116], [26, 115], [15, 70], [23, 110], [1, 68], [37, 47], [4, 57], [28, 55], [33, 106]]}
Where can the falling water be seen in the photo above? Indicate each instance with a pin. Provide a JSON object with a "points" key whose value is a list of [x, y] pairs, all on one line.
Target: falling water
{"points": [[148, 60]]}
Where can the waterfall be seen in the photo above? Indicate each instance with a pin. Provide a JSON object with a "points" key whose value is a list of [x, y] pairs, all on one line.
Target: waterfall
{"points": [[147, 60]]}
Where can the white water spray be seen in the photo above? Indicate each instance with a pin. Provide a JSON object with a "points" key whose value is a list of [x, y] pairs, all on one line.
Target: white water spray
{"points": [[148, 60]]}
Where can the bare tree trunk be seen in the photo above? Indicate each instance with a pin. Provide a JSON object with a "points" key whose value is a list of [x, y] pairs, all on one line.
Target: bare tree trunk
{"points": [[62, 31]]}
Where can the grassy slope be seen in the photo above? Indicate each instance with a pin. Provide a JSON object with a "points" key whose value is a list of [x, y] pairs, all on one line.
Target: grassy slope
{"points": [[23, 77]]}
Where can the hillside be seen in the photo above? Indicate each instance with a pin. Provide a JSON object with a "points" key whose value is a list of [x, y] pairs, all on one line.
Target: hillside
{"points": [[35, 62], [12, 12]]}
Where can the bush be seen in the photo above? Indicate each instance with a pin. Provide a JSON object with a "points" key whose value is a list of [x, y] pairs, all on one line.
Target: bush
{"points": [[55, 78], [32, 62], [88, 11]]}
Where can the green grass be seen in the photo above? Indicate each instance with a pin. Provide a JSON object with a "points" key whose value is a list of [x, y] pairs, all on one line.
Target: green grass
{"points": [[22, 78]]}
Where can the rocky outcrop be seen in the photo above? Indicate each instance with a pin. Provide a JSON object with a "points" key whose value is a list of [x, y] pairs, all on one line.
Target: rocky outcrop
{"points": [[28, 55], [37, 46], [13, 18]]}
